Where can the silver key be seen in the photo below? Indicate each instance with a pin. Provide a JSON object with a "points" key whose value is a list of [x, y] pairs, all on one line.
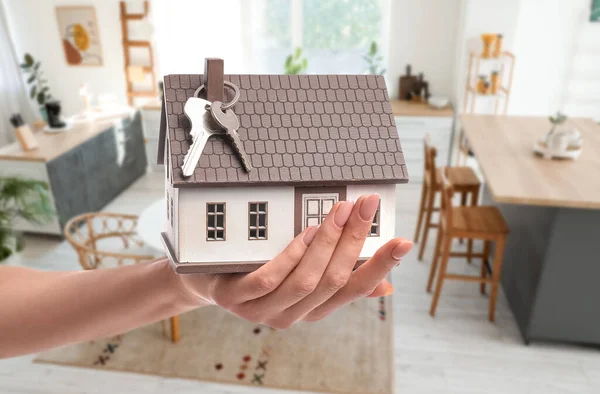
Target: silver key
{"points": [[229, 121], [203, 126]]}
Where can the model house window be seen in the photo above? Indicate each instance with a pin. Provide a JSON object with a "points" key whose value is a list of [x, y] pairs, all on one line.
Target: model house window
{"points": [[257, 220], [168, 210], [215, 221], [172, 211], [375, 225]]}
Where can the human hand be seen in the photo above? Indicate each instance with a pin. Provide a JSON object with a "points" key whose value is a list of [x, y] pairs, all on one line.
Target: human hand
{"points": [[312, 277]]}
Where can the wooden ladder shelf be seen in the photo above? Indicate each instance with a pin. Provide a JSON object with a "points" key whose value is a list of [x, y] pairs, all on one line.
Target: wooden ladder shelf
{"points": [[127, 44]]}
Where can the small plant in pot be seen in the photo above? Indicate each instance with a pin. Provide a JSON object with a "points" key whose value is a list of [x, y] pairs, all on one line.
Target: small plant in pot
{"points": [[38, 85], [557, 121], [295, 63], [25, 199], [374, 60]]}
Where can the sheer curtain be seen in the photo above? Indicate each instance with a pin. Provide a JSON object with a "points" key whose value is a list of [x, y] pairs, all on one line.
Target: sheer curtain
{"points": [[13, 96]]}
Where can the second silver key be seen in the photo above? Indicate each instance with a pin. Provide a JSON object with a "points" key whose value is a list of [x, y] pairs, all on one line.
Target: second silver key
{"points": [[229, 121], [203, 126]]}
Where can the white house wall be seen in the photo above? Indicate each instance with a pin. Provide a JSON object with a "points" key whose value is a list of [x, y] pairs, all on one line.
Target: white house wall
{"points": [[193, 246], [387, 215]]}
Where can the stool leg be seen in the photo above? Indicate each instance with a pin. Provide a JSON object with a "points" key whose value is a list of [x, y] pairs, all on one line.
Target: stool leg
{"points": [[430, 201], [441, 274], [436, 257], [496, 270], [463, 202], [486, 258], [424, 191], [175, 329], [474, 200]]}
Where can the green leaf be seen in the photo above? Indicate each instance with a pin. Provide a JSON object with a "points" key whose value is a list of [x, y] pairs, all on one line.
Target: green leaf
{"points": [[37, 66], [28, 59], [298, 53], [24, 66], [304, 63], [41, 98], [45, 89], [33, 91], [288, 61], [373, 49], [31, 79]]}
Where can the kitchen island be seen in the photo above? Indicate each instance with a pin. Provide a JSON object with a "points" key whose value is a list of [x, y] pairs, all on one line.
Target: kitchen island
{"points": [[551, 266]]}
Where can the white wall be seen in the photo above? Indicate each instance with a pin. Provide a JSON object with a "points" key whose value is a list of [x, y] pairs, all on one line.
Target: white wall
{"points": [[423, 33], [192, 223], [34, 28], [280, 221]]}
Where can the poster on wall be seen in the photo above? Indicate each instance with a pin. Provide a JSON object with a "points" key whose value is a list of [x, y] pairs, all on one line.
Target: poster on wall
{"points": [[595, 17], [78, 30]]}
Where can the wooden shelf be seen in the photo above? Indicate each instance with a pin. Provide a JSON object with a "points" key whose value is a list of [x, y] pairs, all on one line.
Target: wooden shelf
{"points": [[142, 94], [137, 43]]}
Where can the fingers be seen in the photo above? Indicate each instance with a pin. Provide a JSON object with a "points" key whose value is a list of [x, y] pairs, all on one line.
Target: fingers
{"points": [[237, 289], [306, 276], [342, 262], [366, 278], [384, 288]]}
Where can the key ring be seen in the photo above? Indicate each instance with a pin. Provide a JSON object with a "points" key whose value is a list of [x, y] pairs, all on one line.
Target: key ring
{"points": [[230, 104]]}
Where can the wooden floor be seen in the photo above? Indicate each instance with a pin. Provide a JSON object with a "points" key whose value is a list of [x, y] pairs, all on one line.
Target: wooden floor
{"points": [[457, 352]]}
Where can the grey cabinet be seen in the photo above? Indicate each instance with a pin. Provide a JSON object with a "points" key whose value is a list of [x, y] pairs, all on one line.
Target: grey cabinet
{"points": [[88, 177]]}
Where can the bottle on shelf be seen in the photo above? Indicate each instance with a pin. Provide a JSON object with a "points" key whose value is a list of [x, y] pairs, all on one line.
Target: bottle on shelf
{"points": [[488, 40], [498, 45], [495, 82]]}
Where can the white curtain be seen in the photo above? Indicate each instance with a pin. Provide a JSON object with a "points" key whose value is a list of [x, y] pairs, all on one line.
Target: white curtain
{"points": [[13, 96]]}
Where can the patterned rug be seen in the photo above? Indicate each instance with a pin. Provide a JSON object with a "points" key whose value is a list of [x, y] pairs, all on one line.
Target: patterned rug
{"points": [[351, 351]]}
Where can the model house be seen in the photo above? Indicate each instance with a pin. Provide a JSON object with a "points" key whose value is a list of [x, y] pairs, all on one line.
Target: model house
{"points": [[313, 140]]}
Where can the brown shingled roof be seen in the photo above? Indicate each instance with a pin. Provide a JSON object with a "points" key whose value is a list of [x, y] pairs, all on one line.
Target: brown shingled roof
{"points": [[300, 129]]}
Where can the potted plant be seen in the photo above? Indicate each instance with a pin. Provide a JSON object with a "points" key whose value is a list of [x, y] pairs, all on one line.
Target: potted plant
{"points": [[295, 64], [38, 85], [374, 60], [557, 125], [21, 198]]}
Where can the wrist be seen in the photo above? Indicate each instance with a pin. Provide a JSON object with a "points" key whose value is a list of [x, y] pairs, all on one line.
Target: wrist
{"points": [[183, 293]]}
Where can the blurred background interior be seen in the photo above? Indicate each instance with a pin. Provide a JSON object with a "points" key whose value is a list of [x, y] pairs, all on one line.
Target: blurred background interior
{"points": [[496, 103]]}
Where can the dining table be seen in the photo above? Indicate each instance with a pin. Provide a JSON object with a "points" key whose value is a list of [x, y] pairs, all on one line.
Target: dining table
{"points": [[551, 265]]}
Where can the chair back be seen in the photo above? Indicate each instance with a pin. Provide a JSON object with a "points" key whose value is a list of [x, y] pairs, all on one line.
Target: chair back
{"points": [[430, 152], [89, 232], [447, 194]]}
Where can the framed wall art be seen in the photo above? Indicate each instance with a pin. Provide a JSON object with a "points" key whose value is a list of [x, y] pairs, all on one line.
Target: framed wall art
{"points": [[78, 29]]}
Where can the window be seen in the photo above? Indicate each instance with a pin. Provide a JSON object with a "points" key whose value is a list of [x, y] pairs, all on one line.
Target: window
{"points": [[215, 221], [257, 220], [376, 223], [334, 34], [168, 210], [172, 212]]}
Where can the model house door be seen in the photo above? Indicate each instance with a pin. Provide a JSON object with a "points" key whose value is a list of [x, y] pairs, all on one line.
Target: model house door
{"points": [[312, 205]]}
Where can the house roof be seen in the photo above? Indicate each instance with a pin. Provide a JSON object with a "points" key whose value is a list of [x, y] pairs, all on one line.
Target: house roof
{"points": [[299, 129]]}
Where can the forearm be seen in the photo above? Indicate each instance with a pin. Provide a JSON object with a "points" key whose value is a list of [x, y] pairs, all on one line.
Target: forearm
{"points": [[40, 310]]}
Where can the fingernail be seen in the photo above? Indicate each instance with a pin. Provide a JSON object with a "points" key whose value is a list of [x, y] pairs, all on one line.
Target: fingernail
{"points": [[310, 235], [369, 206], [343, 213], [389, 291], [401, 250]]}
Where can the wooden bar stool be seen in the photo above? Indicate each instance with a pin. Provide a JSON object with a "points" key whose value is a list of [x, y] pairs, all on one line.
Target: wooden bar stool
{"points": [[465, 183], [480, 222]]}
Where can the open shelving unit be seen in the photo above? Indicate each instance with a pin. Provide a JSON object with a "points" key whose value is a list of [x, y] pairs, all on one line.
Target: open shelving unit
{"points": [[506, 65]]}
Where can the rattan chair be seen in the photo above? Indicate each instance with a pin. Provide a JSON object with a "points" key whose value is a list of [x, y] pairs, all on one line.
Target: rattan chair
{"points": [[94, 234]]}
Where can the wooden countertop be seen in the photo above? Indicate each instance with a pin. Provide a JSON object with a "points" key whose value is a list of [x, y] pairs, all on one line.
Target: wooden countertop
{"points": [[409, 108], [52, 145], [503, 148]]}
